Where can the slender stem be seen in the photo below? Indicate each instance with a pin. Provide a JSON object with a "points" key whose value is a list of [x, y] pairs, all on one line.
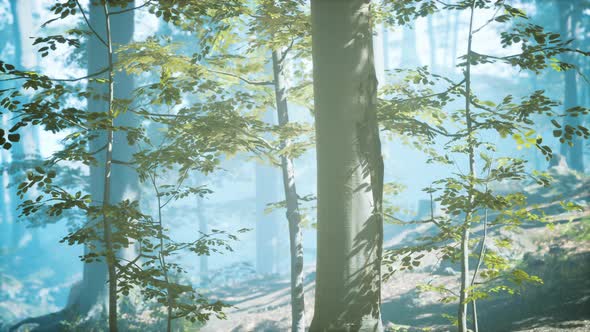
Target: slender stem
{"points": [[291, 198], [90, 25], [162, 256], [130, 9], [108, 236], [243, 79], [463, 295], [59, 79], [482, 252]]}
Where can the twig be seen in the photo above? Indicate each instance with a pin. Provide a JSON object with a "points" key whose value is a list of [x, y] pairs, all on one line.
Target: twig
{"points": [[245, 80], [60, 79], [89, 25], [122, 11]]}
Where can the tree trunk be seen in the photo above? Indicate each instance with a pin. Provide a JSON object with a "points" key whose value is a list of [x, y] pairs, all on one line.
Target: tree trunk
{"points": [[293, 215], [27, 149], [350, 169], [88, 298], [469, 210], [574, 154]]}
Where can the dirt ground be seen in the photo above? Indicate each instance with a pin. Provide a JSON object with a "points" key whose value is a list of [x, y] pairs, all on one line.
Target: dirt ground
{"points": [[561, 304]]}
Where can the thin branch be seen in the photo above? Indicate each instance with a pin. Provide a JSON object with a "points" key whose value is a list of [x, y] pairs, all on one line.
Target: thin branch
{"points": [[432, 220], [286, 51], [89, 25], [245, 80], [98, 150], [130, 9], [491, 19], [451, 88], [60, 79]]}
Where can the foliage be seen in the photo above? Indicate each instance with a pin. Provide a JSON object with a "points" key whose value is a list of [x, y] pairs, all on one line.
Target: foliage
{"points": [[414, 109], [195, 136]]}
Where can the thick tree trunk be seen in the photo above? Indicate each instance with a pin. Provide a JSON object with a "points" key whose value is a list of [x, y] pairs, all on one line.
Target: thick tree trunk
{"points": [[350, 169], [293, 215]]}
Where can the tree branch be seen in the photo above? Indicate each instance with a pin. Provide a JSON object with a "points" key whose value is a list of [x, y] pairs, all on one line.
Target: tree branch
{"points": [[245, 80], [60, 79], [89, 25], [130, 9]]}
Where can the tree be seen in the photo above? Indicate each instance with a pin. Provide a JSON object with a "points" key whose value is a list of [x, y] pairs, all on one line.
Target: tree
{"points": [[468, 199], [291, 199], [26, 153], [115, 222], [567, 29], [350, 169]]}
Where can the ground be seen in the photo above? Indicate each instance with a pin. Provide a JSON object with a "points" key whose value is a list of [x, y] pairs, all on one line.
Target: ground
{"points": [[562, 303]]}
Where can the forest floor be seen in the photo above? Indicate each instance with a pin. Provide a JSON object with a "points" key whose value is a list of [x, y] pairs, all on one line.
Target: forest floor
{"points": [[562, 303]]}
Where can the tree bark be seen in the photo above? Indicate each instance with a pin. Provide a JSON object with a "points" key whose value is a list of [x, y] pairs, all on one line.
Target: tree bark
{"points": [[350, 169], [293, 215]]}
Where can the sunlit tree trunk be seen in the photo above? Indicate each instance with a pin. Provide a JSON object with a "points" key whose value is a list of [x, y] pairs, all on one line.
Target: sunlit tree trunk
{"points": [[291, 198], [350, 169]]}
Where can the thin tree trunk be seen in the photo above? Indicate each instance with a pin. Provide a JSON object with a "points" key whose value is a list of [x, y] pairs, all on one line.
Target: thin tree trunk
{"points": [[463, 294], [91, 293], [480, 259], [293, 215], [350, 169], [106, 198]]}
